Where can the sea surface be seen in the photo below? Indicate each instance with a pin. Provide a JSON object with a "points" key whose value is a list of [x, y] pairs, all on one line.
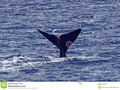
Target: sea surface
{"points": [[26, 55]]}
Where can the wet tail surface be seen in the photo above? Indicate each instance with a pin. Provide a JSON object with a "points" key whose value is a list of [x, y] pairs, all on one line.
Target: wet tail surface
{"points": [[64, 41]]}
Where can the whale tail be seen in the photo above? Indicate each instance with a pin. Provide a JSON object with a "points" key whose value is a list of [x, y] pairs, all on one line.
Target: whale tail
{"points": [[64, 41]]}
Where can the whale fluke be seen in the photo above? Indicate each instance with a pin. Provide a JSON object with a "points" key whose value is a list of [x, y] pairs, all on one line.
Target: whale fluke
{"points": [[64, 41]]}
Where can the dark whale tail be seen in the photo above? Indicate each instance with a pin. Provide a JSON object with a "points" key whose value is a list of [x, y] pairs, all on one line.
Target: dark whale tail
{"points": [[64, 41]]}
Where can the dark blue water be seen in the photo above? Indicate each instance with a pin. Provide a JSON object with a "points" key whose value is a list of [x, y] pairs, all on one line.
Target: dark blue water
{"points": [[25, 55]]}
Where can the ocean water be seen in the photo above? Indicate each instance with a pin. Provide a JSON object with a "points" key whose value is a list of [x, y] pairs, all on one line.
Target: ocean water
{"points": [[26, 55]]}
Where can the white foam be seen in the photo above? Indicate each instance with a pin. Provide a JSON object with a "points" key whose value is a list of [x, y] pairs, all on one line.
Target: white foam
{"points": [[17, 62], [14, 63], [57, 59], [68, 58], [83, 57]]}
